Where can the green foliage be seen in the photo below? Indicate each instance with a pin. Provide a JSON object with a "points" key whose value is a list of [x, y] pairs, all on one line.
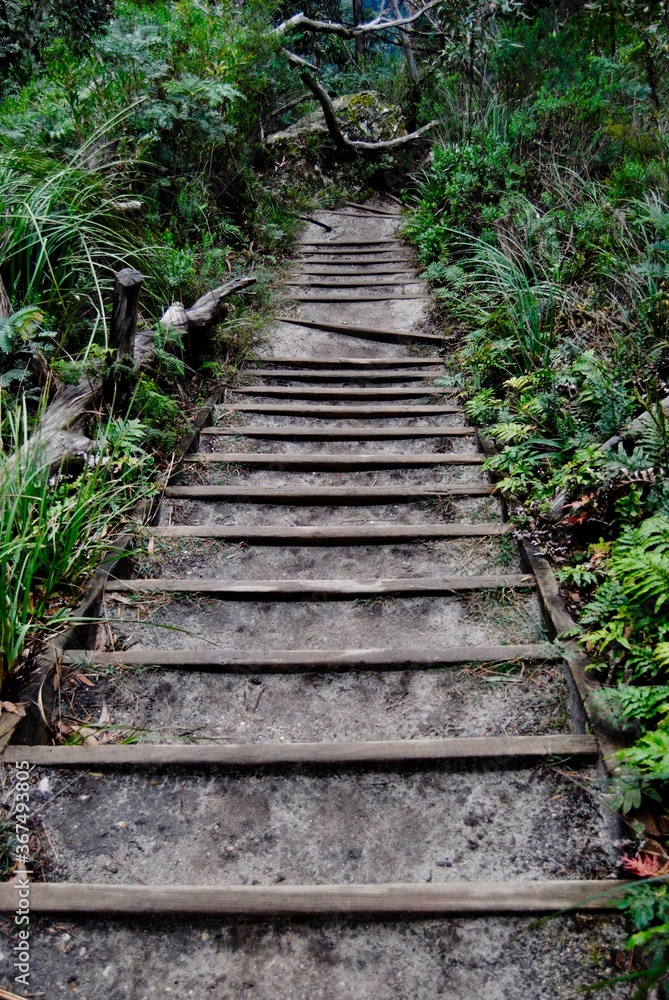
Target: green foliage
{"points": [[628, 621], [53, 525]]}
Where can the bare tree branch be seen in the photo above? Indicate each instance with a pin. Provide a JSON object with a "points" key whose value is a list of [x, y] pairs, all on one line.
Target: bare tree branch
{"points": [[343, 31], [340, 140]]}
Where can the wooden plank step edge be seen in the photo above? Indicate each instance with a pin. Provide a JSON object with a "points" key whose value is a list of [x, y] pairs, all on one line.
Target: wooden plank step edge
{"points": [[339, 392], [329, 588], [308, 461], [360, 433], [330, 495], [398, 899], [365, 208], [306, 270], [272, 359], [252, 755], [308, 660], [351, 251], [345, 412], [340, 374], [363, 331], [329, 534], [357, 298], [353, 284], [319, 259], [351, 243]]}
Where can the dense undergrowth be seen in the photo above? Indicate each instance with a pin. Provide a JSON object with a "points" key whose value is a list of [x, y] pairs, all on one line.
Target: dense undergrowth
{"points": [[542, 222]]}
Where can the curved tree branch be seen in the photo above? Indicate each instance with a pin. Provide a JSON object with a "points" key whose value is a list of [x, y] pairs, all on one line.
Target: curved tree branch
{"points": [[340, 140], [334, 28]]}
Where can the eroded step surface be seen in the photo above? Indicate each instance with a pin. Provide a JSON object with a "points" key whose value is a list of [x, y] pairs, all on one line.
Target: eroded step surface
{"points": [[432, 824]]}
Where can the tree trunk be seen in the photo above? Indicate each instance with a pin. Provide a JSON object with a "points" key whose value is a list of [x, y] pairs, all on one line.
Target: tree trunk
{"points": [[413, 94], [360, 39]]}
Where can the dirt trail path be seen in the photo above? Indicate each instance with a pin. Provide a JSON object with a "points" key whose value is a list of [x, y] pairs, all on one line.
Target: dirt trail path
{"points": [[353, 773]]}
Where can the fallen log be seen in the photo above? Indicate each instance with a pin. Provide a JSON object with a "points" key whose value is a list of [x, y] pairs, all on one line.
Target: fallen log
{"points": [[59, 435], [204, 314]]}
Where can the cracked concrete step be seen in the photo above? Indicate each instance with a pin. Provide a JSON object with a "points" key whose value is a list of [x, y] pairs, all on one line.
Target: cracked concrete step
{"points": [[323, 588], [255, 755], [308, 660], [256, 900]]}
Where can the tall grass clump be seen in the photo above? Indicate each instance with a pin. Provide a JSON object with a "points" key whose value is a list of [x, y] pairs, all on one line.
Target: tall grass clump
{"points": [[54, 526], [64, 232]]}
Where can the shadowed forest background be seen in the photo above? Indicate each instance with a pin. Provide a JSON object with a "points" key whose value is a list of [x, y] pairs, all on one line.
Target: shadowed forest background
{"points": [[187, 140]]}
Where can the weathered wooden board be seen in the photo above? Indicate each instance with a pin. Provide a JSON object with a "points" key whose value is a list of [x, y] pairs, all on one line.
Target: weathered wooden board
{"points": [[366, 332], [361, 269], [369, 210], [357, 298], [340, 375], [373, 363], [373, 253], [397, 899], [259, 755], [330, 495], [308, 462], [335, 589], [351, 243], [345, 412], [321, 260], [361, 433], [371, 282], [338, 392], [335, 534], [280, 661]]}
